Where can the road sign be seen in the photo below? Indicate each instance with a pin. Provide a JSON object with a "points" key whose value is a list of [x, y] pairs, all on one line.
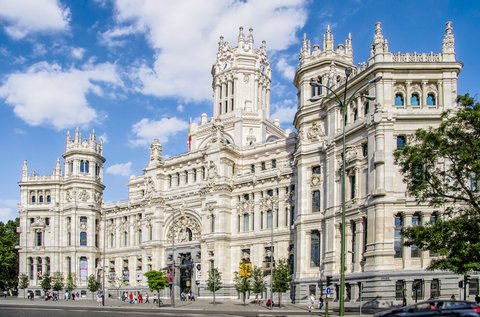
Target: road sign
{"points": [[328, 291]]}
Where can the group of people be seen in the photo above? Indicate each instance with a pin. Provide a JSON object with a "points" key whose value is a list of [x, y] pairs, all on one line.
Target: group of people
{"points": [[71, 295], [187, 294], [311, 302], [134, 298]]}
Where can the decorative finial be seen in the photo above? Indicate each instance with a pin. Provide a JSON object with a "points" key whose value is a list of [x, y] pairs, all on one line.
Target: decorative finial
{"points": [[250, 36], [241, 36], [24, 170], [328, 40], [448, 46]]}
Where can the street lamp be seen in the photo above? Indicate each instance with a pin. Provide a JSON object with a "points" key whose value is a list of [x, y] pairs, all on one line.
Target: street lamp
{"points": [[104, 255], [173, 254], [343, 105]]}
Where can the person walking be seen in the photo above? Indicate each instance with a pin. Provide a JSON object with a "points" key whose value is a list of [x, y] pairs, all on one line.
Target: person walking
{"points": [[146, 299], [311, 302], [477, 299], [320, 302], [155, 299]]}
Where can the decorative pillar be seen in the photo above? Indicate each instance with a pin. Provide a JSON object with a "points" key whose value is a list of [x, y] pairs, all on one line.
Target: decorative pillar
{"points": [[407, 97]]}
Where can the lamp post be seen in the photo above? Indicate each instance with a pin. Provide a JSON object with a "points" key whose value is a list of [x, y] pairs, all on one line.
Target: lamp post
{"points": [[343, 106], [173, 254], [104, 255]]}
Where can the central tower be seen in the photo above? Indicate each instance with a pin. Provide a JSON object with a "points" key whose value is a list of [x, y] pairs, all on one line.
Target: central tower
{"points": [[241, 86]]}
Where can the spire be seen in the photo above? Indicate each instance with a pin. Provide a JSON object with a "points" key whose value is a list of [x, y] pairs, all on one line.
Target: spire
{"points": [[348, 46], [24, 170], [378, 46], [448, 46], [328, 40], [250, 36], [77, 136], [155, 152], [57, 171], [68, 137], [241, 37], [92, 136], [263, 47]]}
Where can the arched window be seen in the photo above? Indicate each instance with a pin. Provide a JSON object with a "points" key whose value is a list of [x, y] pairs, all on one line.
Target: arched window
{"points": [[189, 234], [178, 179], [112, 240], [169, 181], [398, 239], [69, 264], [139, 236], [355, 114], [194, 175], [82, 166], [83, 268], [40, 199], [47, 265], [125, 239], [39, 268], [87, 167], [431, 101], [415, 99], [49, 199], [399, 100], [434, 217], [246, 222], [30, 268], [33, 199], [83, 238], [315, 248]]}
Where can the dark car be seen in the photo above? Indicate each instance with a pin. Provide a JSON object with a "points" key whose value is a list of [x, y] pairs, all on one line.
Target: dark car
{"points": [[435, 308]]}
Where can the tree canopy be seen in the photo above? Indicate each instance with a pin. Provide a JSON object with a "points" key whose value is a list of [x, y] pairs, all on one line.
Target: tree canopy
{"points": [[243, 284], [214, 281], [57, 281], [441, 167], [156, 280], [93, 284], [281, 278], [8, 254]]}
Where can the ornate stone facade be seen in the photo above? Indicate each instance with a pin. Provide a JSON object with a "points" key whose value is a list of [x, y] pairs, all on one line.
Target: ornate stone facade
{"points": [[244, 175]]}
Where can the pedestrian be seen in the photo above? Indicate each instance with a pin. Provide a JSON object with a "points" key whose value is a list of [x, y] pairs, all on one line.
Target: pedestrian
{"points": [[140, 299], [477, 299], [146, 299], [155, 299], [77, 296], [311, 302], [73, 296], [404, 301], [65, 296], [192, 295], [320, 302], [130, 297], [99, 298], [453, 297]]}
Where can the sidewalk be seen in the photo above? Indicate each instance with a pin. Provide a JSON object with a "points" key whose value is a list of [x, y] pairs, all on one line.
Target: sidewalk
{"points": [[201, 304]]}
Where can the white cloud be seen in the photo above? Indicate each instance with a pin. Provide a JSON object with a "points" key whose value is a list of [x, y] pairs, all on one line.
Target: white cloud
{"points": [[287, 70], [24, 17], [146, 130], [48, 95], [186, 43], [8, 210], [104, 138], [120, 169], [180, 108], [77, 52], [284, 111]]}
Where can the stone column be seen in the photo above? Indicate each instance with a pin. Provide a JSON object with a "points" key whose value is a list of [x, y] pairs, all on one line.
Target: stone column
{"points": [[440, 93], [281, 207], [406, 251], [423, 101], [348, 246], [407, 97], [359, 246]]}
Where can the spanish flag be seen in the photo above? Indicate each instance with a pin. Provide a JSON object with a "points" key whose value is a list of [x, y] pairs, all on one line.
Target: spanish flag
{"points": [[190, 135]]}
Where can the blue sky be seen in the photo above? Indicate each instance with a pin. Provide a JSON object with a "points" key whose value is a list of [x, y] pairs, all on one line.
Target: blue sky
{"points": [[134, 70]]}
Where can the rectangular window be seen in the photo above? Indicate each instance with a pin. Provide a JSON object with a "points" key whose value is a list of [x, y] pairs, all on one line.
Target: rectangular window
{"points": [[365, 234], [316, 169], [238, 223], [315, 248], [246, 222], [365, 149], [399, 289], [263, 166], [269, 219], [435, 288], [274, 163], [39, 238], [415, 251], [83, 238], [252, 168], [316, 201], [398, 239], [401, 141], [353, 185], [417, 289], [473, 286]]}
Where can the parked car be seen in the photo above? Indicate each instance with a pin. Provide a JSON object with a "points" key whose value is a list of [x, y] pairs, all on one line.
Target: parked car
{"points": [[435, 308]]}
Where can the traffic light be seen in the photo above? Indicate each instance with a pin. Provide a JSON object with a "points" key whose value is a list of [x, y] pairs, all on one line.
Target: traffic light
{"points": [[466, 278], [329, 280]]}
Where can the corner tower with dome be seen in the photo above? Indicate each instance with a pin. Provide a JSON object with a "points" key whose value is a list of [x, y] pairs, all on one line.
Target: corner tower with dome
{"points": [[251, 192]]}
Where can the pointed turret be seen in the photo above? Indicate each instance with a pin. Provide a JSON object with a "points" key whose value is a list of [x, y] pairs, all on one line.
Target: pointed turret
{"points": [[328, 40], [448, 45], [349, 47], [92, 136], [77, 136], [250, 36], [378, 40], [57, 171], [241, 37], [24, 171]]}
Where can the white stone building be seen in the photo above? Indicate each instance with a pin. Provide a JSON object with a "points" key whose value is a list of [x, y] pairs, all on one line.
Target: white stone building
{"points": [[246, 183]]}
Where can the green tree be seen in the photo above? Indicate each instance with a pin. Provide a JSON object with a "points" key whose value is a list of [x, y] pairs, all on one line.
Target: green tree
{"points": [[214, 281], [46, 282], [243, 284], [57, 281], [441, 167], [93, 285], [117, 282], [281, 279], [23, 282], [8, 254], [70, 285], [258, 282], [156, 280]]}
